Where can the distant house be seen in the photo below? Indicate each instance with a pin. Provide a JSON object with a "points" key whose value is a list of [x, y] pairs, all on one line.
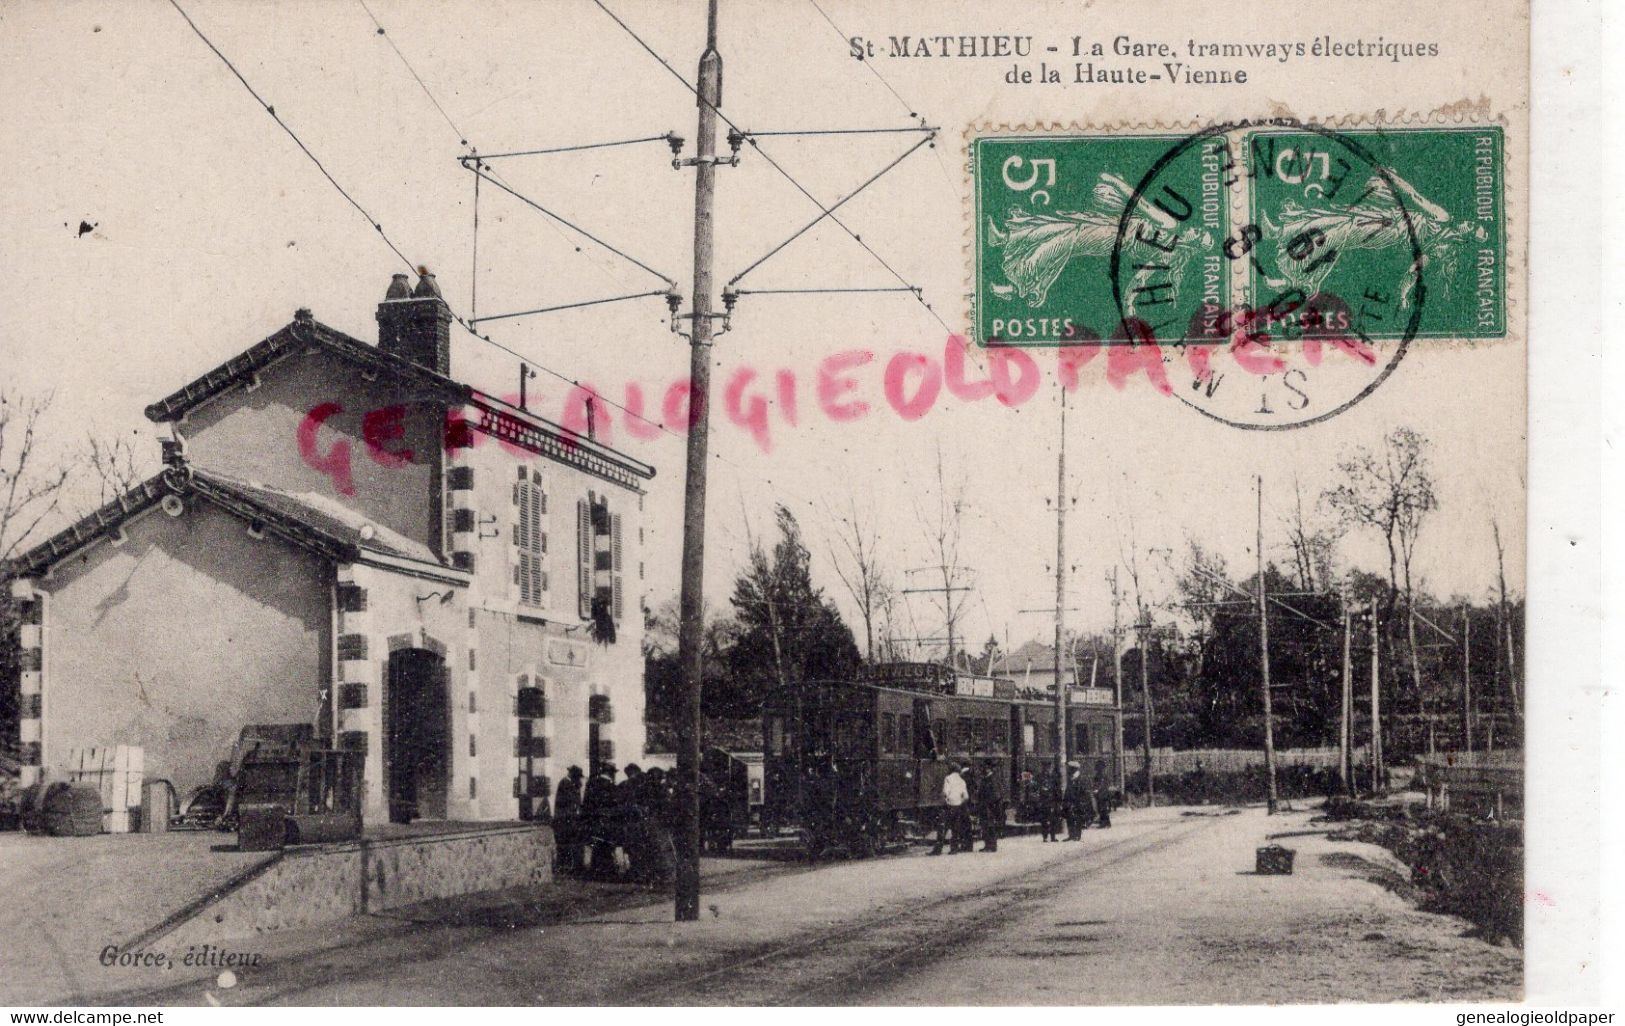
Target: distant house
{"points": [[345, 536], [1097, 719]]}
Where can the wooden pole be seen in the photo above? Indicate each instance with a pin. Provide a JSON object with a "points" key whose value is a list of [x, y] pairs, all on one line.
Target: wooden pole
{"points": [[1117, 686], [1345, 725], [1376, 706], [1466, 679], [691, 627], [1264, 655], [1063, 750], [1145, 703]]}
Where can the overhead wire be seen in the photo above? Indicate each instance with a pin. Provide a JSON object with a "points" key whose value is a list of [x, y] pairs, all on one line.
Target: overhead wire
{"points": [[770, 161], [466, 324], [377, 226], [912, 111]]}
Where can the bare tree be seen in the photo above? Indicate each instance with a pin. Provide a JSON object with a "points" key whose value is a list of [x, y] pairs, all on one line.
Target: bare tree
{"points": [[113, 463], [1391, 491], [942, 534], [860, 571], [1204, 587], [1313, 549], [30, 492]]}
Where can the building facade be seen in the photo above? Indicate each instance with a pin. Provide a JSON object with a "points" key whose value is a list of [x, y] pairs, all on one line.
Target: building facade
{"points": [[347, 537]]}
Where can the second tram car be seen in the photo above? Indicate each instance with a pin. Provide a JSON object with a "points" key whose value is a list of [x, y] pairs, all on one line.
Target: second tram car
{"points": [[854, 763]]}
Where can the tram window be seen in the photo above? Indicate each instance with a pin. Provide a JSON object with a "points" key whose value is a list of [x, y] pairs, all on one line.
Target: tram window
{"points": [[1103, 737], [888, 732], [983, 743], [1080, 738], [964, 734], [939, 738], [1029, 736], [1000, 733], [905, 733]]}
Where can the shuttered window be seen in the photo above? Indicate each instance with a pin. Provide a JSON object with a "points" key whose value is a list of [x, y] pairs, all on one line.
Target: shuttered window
{"points": [[601, 556], [584, 557], [530, 538]]}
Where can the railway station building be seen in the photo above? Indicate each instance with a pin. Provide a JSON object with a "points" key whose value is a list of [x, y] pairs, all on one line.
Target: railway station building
{"points": [[345, 536]]}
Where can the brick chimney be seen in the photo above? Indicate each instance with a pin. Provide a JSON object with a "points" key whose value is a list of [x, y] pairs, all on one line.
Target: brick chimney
{"points": [[415, 324]]}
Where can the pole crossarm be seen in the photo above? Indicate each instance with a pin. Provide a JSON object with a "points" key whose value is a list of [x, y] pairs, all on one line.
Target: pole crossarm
{"points": [[1442, 632], [825, 291], [669, 138], [715, 108], [472, 163], [749, 134], [829, 212], [567, 306], [1216, 579]]}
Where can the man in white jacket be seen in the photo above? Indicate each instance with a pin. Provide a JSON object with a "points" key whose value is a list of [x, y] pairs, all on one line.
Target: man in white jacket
{"points": [[956, 812]]}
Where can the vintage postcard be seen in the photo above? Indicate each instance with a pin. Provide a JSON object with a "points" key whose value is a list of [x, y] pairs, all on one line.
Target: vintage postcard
{"points": [[615, 502]]}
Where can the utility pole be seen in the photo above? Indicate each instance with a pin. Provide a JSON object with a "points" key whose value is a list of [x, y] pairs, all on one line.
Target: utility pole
{"points": [[1264, 654], [1466, 679], [691, 627], [1063, 751], [1345, 729], [1145, 701], [1376, 707], [1117, 686]]}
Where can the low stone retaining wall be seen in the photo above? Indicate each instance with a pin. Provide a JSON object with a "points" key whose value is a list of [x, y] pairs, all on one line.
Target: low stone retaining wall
{"points": [[315, 884]]}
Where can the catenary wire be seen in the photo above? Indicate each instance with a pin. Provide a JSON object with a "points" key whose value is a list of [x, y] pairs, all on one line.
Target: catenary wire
{"points": [[770, 161]]}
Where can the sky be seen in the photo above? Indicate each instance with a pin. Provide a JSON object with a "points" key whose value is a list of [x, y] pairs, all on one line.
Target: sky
{"points": [[211, 227]]}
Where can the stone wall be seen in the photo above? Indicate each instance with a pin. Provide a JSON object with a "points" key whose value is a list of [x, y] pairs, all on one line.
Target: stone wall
{"points": [[317, 884]]}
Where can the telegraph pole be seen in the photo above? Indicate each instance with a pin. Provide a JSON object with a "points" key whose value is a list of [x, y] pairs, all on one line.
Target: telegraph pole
{"points": [[691, 626], [1144, 626], [1466, 679], [1345, 730], [1117, 686], [1376, 708], [1063, 751], [1264, 654]]}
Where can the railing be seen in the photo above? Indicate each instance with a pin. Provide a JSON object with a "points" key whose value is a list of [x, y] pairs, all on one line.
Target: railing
{"points": [[1485, 783], [1230, 760]]}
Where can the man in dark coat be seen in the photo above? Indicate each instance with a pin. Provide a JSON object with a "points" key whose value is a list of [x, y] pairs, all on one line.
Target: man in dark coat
{"points": [[1051, 806], [1103, 797], [1080, 802], [567, 821], [989, 807], [598, 821]]}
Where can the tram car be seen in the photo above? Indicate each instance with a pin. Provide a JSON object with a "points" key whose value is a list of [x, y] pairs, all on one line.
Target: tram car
{"points": [[855, 764]]}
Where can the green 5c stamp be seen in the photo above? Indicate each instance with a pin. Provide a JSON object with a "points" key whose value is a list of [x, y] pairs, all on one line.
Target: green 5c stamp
{"points": [[1281, 269]]}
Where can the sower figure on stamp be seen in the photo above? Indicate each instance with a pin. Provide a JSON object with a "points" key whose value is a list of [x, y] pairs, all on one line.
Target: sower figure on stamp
{"points": [[567, 821], [989, 807]]}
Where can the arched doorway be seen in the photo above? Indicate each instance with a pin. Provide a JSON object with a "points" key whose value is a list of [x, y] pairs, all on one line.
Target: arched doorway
{"points": [[417, 758]]}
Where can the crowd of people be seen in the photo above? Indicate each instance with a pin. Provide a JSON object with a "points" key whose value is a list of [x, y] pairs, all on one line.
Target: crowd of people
{"points": [[607, 829], [611, 830]]}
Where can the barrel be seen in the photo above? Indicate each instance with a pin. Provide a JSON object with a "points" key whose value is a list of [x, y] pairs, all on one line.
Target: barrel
{"points": [[72, 811]]}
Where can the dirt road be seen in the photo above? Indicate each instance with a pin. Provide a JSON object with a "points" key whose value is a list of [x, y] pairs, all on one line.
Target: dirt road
{"points": [[1164, 908]]}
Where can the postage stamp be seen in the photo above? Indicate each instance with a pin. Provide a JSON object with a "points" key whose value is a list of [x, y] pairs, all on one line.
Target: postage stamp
{"points": [[1236, 217], [1306, 258]]}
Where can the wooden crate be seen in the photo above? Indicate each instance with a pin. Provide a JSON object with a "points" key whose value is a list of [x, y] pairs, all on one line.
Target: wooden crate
{"points": [[117, 773]]}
